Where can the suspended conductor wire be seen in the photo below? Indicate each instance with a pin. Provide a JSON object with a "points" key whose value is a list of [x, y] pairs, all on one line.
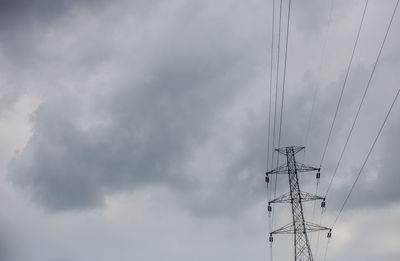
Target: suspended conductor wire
{"points": [[270, 253], [269, 117], [276, 88], [270, 82], [362, 100], [277, 81], [344, 82], [269, 112], [284, 78], [313, 211], [283, 95], [318, 78], [326, 248], [369, 153], [270, 93], [318, 233]]}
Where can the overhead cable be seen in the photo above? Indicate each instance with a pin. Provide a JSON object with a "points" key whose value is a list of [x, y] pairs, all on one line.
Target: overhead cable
{"points": [[362, 101], [283, 95], [318, 78], [367, 157], [344, 82], [270, 81], [277, 81]]}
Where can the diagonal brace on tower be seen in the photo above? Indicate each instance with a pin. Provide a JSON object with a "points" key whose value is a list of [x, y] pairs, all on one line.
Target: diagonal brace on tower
{"points": [[299, 227]]}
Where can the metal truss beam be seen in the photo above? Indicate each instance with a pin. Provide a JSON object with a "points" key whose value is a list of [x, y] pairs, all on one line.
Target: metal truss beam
{"points": [[289, 228], [304, 196], [300, 167]]}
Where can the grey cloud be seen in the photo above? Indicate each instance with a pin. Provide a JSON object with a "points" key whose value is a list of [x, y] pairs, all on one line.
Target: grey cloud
{"points": [[382, 190], [25, 27], [8, 245], [142, 128], [170, 95], [22, 13], [86, 145]]}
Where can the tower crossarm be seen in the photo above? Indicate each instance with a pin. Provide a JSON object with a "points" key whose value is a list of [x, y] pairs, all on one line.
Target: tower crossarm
{"points": [[300, 167], [286, 229], [309, 227], [312, 227], [280, 170], [304, 196], [292, 149]]}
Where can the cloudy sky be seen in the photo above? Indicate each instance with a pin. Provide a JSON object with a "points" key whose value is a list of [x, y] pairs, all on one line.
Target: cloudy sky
{"points": [[137, 130]]}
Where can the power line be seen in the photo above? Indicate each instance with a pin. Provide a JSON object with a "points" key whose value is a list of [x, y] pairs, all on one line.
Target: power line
{"points": [[283, 94], [270, 80], [345, 81], [277, 81], [318, 233], [326, 249], [369, 153], [362, 100], [354, 122], [269, 110], [318, 77], [284, 74], [276, 94], [314, 205]]}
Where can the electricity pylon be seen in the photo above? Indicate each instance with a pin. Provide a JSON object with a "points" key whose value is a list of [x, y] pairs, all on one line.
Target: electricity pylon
{"points": [[299, 227]]}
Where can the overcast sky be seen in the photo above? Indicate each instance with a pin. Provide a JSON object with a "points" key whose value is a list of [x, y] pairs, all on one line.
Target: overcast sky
{"points": [[137, 130]]}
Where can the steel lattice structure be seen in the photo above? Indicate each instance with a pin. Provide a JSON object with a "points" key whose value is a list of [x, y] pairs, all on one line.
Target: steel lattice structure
{"points": [[299, 227]]}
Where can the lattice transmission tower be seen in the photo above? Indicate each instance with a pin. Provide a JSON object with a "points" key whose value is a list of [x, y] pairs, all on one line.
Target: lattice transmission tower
{"points": [[299, 226]]}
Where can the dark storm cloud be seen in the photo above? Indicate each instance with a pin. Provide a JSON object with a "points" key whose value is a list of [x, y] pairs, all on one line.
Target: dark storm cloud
{"points": [[25, 24], [173, 84], [86, 145], [22, 24], [22, 14], [140, 136]]}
